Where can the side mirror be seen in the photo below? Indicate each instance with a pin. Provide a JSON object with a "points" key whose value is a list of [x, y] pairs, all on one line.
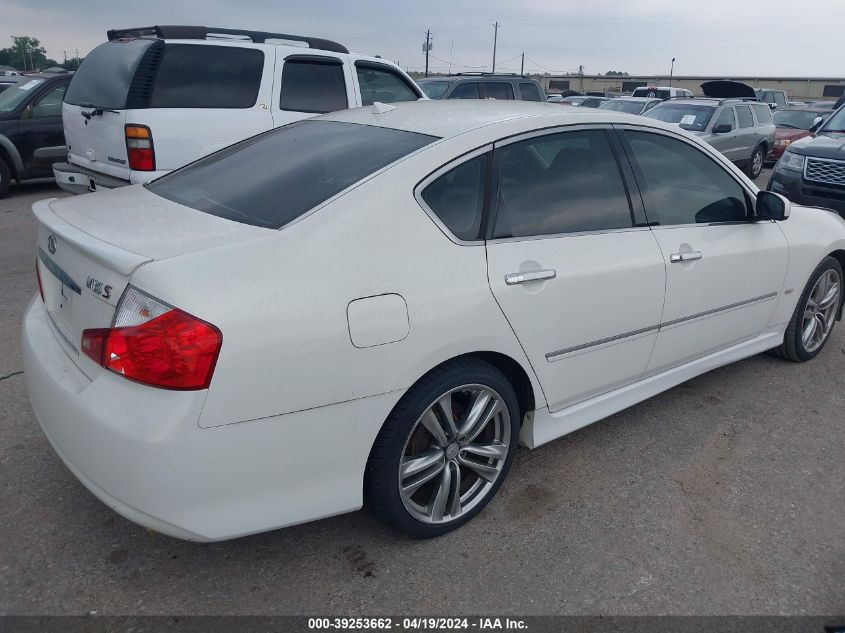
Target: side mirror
{"points": [[771, 206], [817, 123], [723, 128]]}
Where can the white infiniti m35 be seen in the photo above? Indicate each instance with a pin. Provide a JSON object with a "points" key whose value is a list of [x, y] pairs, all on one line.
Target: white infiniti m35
{"points": [[378, 305]]}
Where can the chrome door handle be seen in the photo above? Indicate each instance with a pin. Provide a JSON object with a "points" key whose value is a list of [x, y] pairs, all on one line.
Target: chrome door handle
{"points": [[535, 275], [686, 256]]}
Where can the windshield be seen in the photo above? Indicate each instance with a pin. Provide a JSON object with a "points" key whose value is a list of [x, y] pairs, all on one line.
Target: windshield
{"points": [[434, 89], [271, 179], [620, 105], [690, 117], [796, 119], [15, 95], [835, 124], [105, 76]]}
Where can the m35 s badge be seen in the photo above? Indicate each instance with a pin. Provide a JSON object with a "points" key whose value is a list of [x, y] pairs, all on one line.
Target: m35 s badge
{"points": [[98, 287]]}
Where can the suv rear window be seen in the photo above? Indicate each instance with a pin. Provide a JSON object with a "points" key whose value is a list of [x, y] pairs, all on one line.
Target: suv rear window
{"points": [[529, 91], [651, 92], [762, 112], [380, 83], [104, 77], [313, 85], [285, 172], [192, 76]]}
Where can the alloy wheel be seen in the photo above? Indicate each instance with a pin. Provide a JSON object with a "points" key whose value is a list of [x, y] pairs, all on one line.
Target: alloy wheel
{"points": [[454, 454], [820, 311], [756, 163]]}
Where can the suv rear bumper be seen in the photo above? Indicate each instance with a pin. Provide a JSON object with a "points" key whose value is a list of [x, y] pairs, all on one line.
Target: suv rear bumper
{"points": [[76, 179]]}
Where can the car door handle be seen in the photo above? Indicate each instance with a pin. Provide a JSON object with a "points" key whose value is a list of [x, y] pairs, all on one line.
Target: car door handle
{"points": [[686, 256], [512, 279]]}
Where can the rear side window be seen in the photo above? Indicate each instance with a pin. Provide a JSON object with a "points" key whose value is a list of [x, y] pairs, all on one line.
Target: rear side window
{"points": [[191, 76], [313, 86], [466, 91], [382, 84], [560, 183], [105, 76], [457, 198], [726, 117], [529, 91], [743, 113], [271, 179], [498, 90], [763, 113]]}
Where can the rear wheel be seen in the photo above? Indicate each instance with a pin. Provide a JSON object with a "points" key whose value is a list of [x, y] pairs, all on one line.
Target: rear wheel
{"points": [[815, 315], [5, 177], [755, 167], [444, 450]]}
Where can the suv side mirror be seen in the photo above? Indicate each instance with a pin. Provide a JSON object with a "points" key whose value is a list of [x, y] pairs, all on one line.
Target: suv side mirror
{"points": [[817, 123], [771, 206], [723, 128]]}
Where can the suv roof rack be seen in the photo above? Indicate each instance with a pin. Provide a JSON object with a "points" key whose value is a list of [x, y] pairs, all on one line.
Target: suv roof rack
{"points": [[486, 74], [180, 32]]}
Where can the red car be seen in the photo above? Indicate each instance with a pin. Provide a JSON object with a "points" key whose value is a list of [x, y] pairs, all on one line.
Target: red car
{"points": [[792, 124]]}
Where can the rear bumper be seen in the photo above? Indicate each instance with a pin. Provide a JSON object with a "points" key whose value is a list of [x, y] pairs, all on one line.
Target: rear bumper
{"points": [[76, 179], [49, 155], [141, 451], [809, 194]]}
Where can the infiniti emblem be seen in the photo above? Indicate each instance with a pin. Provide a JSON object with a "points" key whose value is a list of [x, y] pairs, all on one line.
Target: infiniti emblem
{"points": [[51, 244]]}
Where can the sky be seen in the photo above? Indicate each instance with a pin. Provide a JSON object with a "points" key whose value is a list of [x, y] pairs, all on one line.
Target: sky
{"points": [[707, 37]]}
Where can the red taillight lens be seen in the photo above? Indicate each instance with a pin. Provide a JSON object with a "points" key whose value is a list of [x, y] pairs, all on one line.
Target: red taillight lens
{"points": [[38, 276], [139, 148], [174, 350]]}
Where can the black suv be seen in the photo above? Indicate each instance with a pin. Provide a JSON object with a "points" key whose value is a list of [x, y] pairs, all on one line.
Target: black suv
{"points": [[483, 86], [30, 120], [811, 171]]}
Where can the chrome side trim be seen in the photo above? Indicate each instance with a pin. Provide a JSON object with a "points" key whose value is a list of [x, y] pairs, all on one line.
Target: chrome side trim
{"points": [[553, 356]]}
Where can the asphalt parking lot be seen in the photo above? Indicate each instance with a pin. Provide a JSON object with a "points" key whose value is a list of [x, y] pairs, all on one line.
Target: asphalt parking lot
{"points": [[721, 496]]}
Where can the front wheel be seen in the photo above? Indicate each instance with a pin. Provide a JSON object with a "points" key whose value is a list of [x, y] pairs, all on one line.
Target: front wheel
{"points": [[815, 315], [755, 167], [444, 450]]}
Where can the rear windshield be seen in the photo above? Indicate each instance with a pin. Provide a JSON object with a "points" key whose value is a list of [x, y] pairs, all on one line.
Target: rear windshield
{"points": [[690, 117], [271, 179], [104, 77]]}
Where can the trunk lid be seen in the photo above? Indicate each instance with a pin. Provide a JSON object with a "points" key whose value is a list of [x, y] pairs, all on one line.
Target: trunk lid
{"points": [[89, 247]]}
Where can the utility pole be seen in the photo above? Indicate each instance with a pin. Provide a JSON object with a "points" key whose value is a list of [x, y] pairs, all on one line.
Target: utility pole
{"points": [[671, 72], [522, 65], [451, 48], [427, 48], [65, 54], [495, 39], [581, 78]]}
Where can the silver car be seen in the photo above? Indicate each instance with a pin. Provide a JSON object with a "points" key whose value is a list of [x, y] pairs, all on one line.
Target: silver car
{"points": [[742, 130]]}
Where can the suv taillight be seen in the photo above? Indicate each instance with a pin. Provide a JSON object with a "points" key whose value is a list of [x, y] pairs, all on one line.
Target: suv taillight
{"points": [[139, 148], [155, 344]]}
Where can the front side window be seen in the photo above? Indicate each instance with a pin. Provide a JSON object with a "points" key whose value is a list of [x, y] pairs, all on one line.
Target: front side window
{"points": [[313, 86], [560, 183], [271, 179], [457, 197], [682, 185], [50, 104], [466, 91], [498, 90], [193, 76], [743, 113], [18, 93], [529, 91], [382, 84]]}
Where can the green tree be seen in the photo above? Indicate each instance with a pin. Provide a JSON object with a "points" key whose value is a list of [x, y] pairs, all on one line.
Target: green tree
{"points": [[25, 53]]}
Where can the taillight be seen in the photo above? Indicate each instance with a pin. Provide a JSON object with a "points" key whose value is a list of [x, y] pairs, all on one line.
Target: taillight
{"points": [[155, 344], [38, 276], [139, 148]]}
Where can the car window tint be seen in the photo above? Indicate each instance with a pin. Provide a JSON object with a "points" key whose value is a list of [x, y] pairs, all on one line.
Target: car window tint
{"points": [[192, 76], [313, 86], [762, 112], [380, 84], [457, 197], [726, 117], [529, 91], [50, 104], [271, 179], [466, 91], [682, 185], [744, 115], [106, 74], [560, 183], [498, 90]]}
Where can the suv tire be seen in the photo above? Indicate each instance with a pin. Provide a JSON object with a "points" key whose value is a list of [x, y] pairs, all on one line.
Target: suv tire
{"points": [[755, 166]]}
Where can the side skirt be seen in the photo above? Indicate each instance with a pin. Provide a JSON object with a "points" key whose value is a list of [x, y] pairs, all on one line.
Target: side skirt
{"points": [[541, 426]]}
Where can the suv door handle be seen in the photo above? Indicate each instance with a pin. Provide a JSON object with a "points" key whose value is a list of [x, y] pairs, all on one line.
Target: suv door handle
{"points": [[686, 256], [512, 279]]}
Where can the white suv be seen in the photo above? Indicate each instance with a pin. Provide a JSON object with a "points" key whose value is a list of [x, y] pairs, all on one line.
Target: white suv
{"points": [[153, 99]]}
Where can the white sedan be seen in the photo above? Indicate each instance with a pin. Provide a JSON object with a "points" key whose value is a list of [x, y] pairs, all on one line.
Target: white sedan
{"points": [[379, 304]]}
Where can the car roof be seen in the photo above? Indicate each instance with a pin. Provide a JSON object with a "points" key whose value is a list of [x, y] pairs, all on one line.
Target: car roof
{"points": [[638, 99], [485, 77], [449, 118]]}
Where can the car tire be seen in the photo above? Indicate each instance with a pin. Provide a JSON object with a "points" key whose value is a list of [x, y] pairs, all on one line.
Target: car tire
{"points": [[755, 165], [815, 315], [426, 474], [5, 177]]}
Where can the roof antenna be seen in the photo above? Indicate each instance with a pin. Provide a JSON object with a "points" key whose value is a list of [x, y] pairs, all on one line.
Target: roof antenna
{"points": [[381, 108]]}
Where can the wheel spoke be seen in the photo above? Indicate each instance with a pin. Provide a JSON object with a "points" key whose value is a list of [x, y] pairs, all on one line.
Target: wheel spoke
{"points": [[432, 425], [830, 297], [495, 450], [445, 406], [821, 328], [411, 466], [809, 331], [426, 475], [485, 471], [437, 506], [455, 507], [483, 408]]}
